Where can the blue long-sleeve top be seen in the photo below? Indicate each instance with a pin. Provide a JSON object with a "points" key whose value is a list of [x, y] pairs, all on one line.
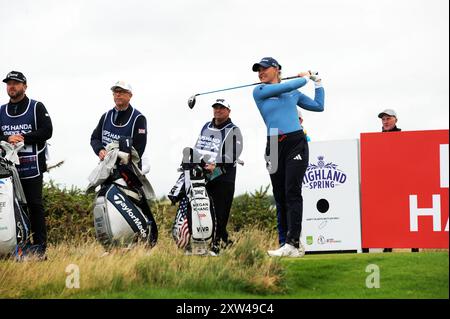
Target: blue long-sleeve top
{"points": [[278, 103]]}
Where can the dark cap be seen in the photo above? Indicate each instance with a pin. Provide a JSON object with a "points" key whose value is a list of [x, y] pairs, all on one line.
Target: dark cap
{"points": [[265, 63], [16, 76]]}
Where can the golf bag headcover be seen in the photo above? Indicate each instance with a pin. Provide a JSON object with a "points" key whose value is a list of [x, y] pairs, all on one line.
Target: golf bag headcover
{"points": [[105, 169], [180, 228], [15, 230]]}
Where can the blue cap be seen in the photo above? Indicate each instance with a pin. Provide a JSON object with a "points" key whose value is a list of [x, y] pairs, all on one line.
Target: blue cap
{"points": [[265, 63]]}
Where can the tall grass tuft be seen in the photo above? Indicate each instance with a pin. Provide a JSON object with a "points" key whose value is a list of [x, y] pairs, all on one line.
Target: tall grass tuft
{"points": [[243, 268]]}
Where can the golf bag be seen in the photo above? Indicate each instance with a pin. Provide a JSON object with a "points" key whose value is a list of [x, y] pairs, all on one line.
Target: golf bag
{"points": [[195, 222], [122, 215], [14, 221]]}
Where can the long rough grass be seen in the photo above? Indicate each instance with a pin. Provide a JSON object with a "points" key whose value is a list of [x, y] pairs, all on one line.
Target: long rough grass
{"points": [[242, 271], [243, 268]]}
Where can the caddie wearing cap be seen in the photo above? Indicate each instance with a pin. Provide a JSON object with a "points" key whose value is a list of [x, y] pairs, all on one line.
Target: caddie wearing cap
{"points": [[287, 151], [122, 120], [26, 120], [221, 140]]}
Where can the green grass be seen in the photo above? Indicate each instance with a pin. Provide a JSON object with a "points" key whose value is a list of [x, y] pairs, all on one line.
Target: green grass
{"points": [[340, 276], [402, 275]]}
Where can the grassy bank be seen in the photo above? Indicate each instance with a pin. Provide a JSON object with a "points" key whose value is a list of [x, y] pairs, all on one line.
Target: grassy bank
{"points": [[243, 271], [244, 268]]}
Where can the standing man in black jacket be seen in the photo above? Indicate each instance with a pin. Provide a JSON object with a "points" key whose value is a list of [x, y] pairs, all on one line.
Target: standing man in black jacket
{"points": [[389, 121], [221, 140], [26, 120]]}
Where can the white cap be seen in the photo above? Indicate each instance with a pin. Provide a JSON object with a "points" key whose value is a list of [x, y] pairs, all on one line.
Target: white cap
{"points": [[222, 102], [389, 112], [122, 84], [299, 113]]}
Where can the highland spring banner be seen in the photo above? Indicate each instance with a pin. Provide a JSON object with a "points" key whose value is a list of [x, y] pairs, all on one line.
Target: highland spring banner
{"points": [[331, 198]]}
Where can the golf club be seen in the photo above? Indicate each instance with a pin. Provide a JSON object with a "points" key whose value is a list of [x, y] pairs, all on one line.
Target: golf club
{"points": [[191, 101]]}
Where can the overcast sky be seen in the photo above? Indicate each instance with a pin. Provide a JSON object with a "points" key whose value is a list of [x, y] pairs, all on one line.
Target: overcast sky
{"points": [[372, 55]]}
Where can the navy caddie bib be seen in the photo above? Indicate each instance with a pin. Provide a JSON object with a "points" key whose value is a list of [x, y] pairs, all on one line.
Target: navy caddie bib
{"points": [[211, 141], [112, 132], [22, 124]]}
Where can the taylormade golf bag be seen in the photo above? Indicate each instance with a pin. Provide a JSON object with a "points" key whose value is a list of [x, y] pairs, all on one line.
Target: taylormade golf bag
{"points": [[195, 223], [14, 222], [122, 215]]}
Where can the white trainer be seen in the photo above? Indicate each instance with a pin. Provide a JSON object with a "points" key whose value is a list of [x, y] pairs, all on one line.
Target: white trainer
{"points": [[287, 251], [212, 254], [301, 249]]}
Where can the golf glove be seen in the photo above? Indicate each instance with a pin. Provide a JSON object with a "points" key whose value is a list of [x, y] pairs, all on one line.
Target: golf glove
{"points": [[316, 78]]}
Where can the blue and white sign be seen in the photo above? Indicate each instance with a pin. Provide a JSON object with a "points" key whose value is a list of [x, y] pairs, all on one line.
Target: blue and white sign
{"points": [[323, 175], [331, 198]]}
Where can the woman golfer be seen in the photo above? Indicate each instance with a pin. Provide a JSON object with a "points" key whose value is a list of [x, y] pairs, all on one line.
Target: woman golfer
{"points": [[287, 151]]}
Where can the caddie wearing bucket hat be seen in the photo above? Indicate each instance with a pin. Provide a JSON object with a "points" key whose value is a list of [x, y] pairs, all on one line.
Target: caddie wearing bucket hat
{"points": [[120, 121], [27, 120]]}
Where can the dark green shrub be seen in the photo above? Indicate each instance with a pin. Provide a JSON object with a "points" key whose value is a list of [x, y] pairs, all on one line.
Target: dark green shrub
{"points": [[254, 209], [69, 213]]}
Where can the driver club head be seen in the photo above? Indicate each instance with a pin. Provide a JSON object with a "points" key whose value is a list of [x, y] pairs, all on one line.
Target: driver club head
{"points": [[191, 101]]}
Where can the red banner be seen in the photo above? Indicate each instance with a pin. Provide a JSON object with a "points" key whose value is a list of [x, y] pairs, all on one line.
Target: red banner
{"points": [[404, 189]]}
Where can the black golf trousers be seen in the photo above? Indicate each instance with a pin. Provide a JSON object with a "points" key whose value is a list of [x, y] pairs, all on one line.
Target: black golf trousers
{"points": [[293, 158], [33, 193], [222, 194]]}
